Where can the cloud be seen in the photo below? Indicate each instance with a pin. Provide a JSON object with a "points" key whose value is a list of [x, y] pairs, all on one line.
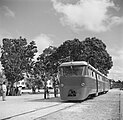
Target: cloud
{"points": [[92, 15], [42, 41], [6, 11]]}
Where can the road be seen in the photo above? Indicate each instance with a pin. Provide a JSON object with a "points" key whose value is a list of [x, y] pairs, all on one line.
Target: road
{"points": [[34, 107]]}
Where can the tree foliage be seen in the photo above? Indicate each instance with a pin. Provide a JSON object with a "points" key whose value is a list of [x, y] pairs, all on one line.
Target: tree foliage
{"points": [[91, 50], [16, 58], [43, 64]]}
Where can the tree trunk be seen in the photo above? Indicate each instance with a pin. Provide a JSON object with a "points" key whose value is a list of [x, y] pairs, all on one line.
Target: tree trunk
{"points": [[45, 89]]}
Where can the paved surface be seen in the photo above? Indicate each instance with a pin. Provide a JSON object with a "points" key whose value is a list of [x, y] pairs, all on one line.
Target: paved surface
{"points": [[104, 107], [33, 106]]}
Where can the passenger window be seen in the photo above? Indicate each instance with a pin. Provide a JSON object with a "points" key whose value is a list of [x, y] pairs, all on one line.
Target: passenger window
{"points": [[86, 71], [89, 71], [93, 74], [98, 77], [101, 78]]}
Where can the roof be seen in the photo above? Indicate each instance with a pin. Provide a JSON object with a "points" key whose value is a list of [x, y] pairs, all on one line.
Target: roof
{"points": [[74, 63], [80, 63]]}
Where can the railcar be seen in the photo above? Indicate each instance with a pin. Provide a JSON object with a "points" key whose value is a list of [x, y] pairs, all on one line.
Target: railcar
{"points": [[79, 79]]}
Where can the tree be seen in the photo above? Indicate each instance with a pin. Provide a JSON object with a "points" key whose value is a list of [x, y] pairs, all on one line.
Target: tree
{"points": [[16, 58]]}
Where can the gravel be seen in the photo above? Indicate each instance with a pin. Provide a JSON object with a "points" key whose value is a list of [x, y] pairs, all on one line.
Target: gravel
{"points": [[103, 107]]}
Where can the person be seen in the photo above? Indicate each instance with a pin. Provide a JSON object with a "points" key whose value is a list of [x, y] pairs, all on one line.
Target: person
{"points": [[4, 89], [55, 85], [8, 90], [0, 89], [16, 91], [20, 90], [47, 92]]}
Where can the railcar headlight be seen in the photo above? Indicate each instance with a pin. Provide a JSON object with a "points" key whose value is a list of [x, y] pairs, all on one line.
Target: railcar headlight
{"points": [[62, 85], [82, 84]]}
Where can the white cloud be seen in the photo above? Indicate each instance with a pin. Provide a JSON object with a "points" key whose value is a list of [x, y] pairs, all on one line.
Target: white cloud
{"points": [[7, 12], [42, 41], [91, 15]]}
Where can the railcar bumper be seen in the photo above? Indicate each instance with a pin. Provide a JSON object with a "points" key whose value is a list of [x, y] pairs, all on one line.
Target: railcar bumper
{"points": [[74, 93]]}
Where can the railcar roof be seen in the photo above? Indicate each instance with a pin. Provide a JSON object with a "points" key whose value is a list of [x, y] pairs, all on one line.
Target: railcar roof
{"points": [[74, 63], [80, 63]]}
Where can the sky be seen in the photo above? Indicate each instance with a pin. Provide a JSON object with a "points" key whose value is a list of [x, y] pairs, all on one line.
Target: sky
{"points": [[51, 22]]}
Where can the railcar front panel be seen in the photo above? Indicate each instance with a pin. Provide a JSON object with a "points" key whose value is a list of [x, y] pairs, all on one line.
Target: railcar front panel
{"points": [[76, 88], [72, 88]]}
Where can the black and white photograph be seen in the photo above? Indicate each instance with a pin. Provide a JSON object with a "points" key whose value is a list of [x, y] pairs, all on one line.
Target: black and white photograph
{"points": [[61, 59]]}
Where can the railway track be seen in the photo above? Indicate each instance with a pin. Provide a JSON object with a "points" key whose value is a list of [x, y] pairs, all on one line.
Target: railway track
{"points": [[40, 112]]}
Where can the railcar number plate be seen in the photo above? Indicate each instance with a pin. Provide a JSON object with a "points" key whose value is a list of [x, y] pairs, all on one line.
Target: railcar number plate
{"points": [[71, 93]]}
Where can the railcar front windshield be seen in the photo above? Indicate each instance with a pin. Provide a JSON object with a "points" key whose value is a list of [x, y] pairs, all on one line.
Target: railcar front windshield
{"points": [[72, 70]]}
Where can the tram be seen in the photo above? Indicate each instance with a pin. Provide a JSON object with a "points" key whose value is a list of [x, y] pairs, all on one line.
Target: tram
{"points": [[79, 79]]}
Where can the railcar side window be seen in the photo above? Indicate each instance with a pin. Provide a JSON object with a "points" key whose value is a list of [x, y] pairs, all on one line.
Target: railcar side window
{"points": [[99, 77], [91, 73], [94, 76]]}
